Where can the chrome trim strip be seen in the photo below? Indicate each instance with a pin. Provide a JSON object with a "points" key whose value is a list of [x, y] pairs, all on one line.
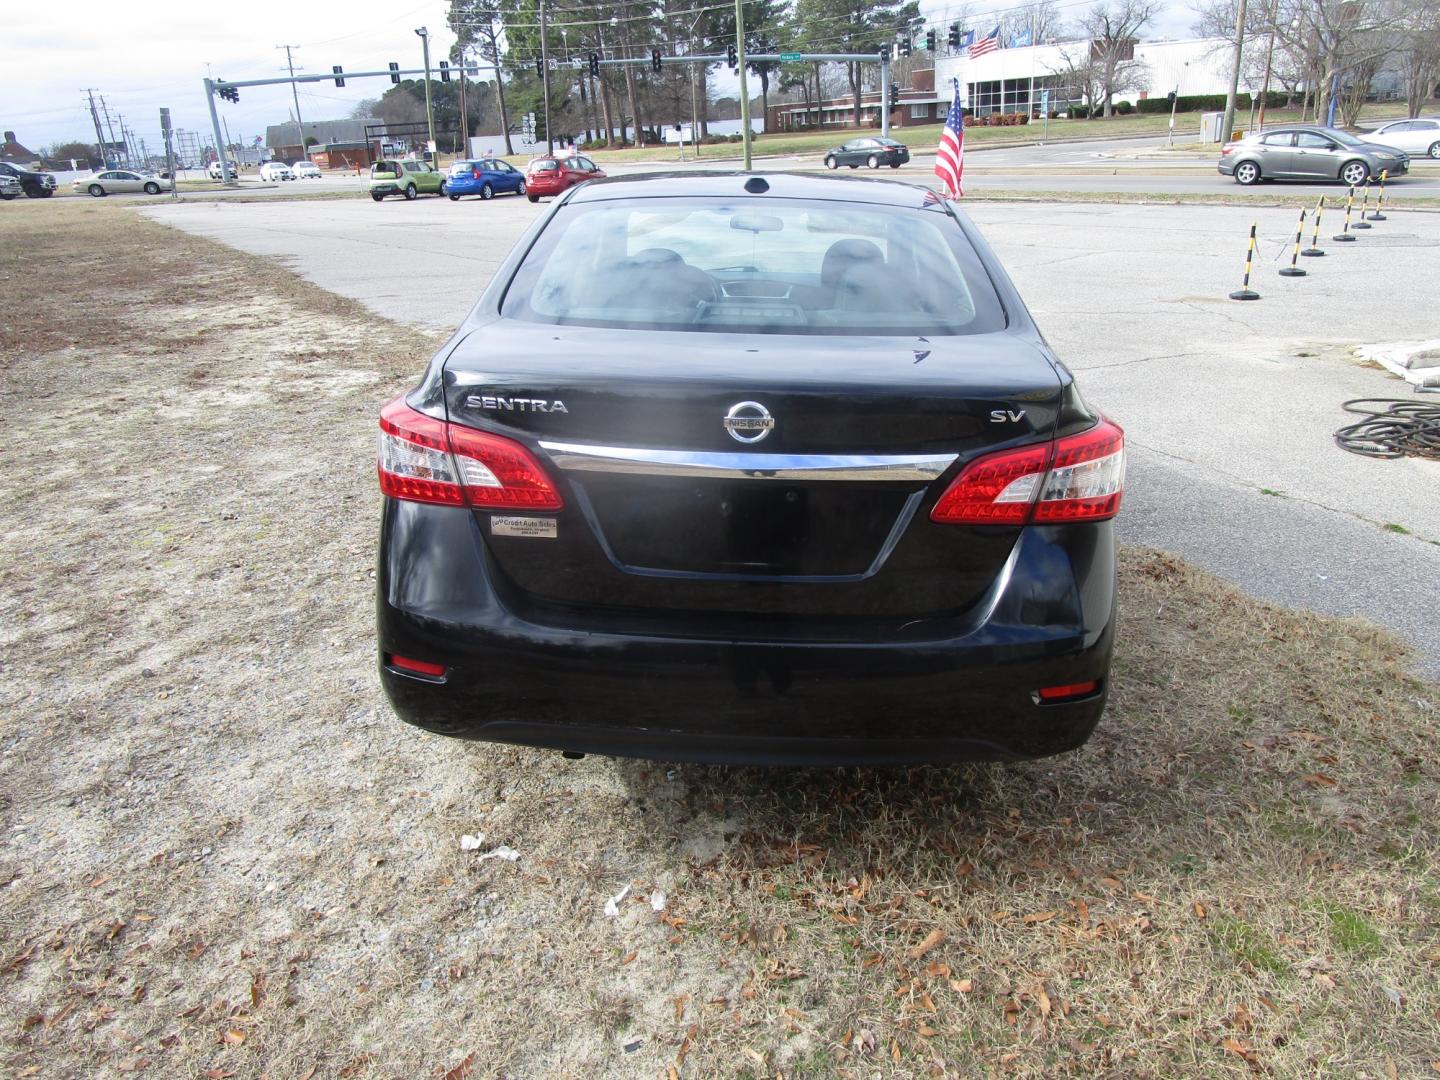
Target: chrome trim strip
{"points": [[582, 457]]}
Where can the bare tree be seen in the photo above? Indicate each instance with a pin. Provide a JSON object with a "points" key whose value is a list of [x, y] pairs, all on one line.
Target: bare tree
{"points": [[1417, 54], [1113, 26], [1080, 72]]}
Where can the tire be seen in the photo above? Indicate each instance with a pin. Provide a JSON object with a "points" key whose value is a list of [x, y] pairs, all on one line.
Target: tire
{"points": [[831, 163], [8, 196], [521, 189], [894, 164], [533, 198], [1434, 150], [454, 198], [873, 161], [34, 191], [1354, 173], [854, 166], [1247, 173], [45, 193], [152, 189], [487, 192], [96, 190], [377, 196], [411, 193]]}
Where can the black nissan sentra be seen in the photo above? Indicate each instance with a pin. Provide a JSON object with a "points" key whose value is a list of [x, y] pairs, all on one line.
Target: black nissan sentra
{"points": [[768, 469]]}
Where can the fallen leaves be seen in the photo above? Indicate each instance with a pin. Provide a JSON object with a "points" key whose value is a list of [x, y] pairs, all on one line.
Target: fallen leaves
{"points": [[935, 937], [1039, 917], [462, 1070], [1319, 780]]}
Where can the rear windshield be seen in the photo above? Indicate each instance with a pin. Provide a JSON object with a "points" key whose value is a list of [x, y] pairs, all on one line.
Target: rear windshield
{"points": [[544, 166], [462, 167], [384, 167], [777, 266]]}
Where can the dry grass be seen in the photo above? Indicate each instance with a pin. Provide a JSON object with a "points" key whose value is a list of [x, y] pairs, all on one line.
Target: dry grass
{"points": [[223, 856]]}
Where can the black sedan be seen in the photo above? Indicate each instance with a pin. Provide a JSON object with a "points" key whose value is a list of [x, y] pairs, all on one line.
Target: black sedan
{"points": [[743, 468], [872, 151]]}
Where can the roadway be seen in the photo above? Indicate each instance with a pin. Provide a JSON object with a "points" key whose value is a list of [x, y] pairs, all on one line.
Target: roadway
{"points": [[1229, 407]]}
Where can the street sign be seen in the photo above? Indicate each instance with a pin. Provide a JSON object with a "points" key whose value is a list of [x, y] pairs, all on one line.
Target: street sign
{"points": [[789, 57], [1045, 101]]}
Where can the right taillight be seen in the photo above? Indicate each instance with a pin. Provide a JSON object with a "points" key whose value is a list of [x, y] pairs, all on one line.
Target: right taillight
{"points": [[422, 459], [1079, 478]]}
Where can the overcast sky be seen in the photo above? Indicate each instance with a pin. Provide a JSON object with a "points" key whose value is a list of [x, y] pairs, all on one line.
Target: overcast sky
{"points": [[141, 57]]}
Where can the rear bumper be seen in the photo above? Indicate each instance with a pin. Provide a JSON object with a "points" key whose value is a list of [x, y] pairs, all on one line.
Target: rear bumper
{"points": [[971, 695]]}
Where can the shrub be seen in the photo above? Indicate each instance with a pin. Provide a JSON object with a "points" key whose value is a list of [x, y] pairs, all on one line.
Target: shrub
{"points": [[1123, 108]]}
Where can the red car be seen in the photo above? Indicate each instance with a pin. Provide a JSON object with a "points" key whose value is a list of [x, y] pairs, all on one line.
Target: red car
{"points": [[552, 175]]}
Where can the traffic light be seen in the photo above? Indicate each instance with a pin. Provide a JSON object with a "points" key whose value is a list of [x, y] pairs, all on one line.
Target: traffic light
{"points": [[444, 71], [904, 46], [394, 72], [539, 68], [732, 56], [930, 40], [953, 38], [1171, 97], [655, 61], [229, 93], [894, 96], [339, 75], [595, 65]]}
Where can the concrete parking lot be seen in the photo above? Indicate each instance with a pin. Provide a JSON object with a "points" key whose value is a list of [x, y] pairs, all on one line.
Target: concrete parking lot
{"points": [[1229, 407]]}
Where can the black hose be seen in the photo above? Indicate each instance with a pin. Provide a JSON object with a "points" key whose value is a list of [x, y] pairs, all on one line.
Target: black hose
{"points": [[1407, 426]]}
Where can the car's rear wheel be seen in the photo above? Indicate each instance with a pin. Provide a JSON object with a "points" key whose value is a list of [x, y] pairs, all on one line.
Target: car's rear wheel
{"points": [[873, 161], [96, 190], [1355, 173], [152, 189], [454, 198], [894, 164], [1434, 150], [45, 193], [521, 189], [410, 192], [533, 198], [854, 166], [831, 163], [487, 192], [1247, 173], [376, 196]]}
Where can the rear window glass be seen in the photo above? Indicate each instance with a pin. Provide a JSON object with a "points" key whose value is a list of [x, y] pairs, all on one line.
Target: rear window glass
{"points": [[544, 166], [462, 167], [384, 167], [783, 266]]}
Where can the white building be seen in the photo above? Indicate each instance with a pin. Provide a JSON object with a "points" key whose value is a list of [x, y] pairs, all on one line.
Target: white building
{"points": [[1010, 80]]}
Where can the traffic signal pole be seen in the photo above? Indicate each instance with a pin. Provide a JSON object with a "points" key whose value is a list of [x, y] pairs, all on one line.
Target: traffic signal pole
{"points": [[885, 96], [744, 93], [225, 177]]}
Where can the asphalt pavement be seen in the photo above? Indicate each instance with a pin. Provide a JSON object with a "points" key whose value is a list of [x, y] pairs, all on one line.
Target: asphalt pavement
{"points": [[1229, 407]]}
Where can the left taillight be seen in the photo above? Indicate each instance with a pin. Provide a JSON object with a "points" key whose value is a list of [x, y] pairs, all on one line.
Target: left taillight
{"points": [[1080, 478], [422, 459]]}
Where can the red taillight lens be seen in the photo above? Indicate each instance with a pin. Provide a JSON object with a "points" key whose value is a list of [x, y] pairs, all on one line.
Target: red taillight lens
{"points": [[475, 173], [1082, 480], [427, 460], [419, 667], [1070, 690]]}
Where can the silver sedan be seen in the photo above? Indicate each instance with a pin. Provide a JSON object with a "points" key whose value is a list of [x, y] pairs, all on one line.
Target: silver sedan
{"points": [[1309, 153], [112, 181]]}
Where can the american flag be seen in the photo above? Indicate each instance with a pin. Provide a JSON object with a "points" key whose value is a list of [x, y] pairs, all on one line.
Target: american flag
{"points": [[989, 43], [950, 155]]}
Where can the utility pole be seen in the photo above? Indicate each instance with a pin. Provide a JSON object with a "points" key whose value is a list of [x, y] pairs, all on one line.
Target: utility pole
{"points": [[295, 93], [744, 92], [464, 116], [108, 125], [424, 34], [95, 116], [545, 79], [124, 139], [1227, 126]]}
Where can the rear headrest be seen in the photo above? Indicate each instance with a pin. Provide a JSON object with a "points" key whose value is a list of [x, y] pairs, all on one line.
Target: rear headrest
{"points": [[844, 254]]}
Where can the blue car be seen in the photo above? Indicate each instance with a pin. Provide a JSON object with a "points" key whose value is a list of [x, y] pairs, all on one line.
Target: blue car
{"points": [[486, 178]]}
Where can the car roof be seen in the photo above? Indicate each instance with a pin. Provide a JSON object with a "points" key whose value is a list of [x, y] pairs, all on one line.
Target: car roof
{"points": [[778, 186]]}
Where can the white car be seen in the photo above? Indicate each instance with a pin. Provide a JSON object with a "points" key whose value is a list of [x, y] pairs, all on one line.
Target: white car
{"points": [[305, 170], [213, 170], [276, 170], [112, 180], [1418, 136], [9, 187]]}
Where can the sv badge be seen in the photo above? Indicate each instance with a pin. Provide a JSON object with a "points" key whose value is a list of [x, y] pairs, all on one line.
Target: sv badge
{"points": [[1002, 416]]}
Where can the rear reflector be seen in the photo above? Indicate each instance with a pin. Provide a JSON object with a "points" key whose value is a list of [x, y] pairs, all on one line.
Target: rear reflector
{"points": [[1078, 478], [419, 667], [422, 459], [1070, 690]]}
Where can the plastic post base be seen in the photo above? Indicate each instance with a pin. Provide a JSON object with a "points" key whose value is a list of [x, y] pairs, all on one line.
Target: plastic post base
{"points": [[1343, 238], [1291, 271], [1378, 217], [1361, 225], [1244, 294], [1313, 253]]}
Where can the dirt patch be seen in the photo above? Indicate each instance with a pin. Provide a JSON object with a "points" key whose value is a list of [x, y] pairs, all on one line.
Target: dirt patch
{"points": [[223, 856]]}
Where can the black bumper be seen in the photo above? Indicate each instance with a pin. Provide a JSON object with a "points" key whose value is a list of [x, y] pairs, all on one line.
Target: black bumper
{"points": [[969, 695]]}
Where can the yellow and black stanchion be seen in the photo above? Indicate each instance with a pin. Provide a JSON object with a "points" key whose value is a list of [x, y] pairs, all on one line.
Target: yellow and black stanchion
{"points": [[1364, 209], [1345, 236], [1314, 251], [1292, 270], [1245, 292], [1380, 202]]}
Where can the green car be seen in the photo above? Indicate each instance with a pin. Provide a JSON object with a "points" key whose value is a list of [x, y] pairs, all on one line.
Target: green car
{"points": [[408, 178]]}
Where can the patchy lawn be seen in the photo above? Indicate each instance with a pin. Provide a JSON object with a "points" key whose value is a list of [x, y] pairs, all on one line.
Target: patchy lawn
{"points": [[222, 856]]}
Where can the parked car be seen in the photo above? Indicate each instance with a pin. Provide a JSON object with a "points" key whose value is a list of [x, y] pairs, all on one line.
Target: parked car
{"points": [[112, 181], [9, 187], [872, 150], [1308, 153], [550, 175], [35, 185], [485, 177], [409, 177], [806, 486], [213, 170], [1418, 136], [306, 170], [276, 171]]}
